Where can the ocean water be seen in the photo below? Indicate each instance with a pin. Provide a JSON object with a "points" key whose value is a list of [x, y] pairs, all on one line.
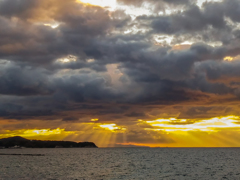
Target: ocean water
{"points": [[121, 163]]}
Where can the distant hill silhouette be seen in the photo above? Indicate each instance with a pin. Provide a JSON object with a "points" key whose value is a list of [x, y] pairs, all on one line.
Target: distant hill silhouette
{"points": [[18, 141]]}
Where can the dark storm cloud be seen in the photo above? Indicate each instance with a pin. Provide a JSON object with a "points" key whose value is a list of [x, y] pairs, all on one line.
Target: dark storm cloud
{"points": [[211, 22], [224, 72], [192, 19], [25, 38], [64, 73], [23, 80]]}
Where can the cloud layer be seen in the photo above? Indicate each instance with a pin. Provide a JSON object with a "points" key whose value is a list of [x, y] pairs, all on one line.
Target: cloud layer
{"points": [[72, 62]]}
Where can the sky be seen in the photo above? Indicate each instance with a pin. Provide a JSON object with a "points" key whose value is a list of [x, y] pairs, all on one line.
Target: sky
{"points": [[119, 73]]}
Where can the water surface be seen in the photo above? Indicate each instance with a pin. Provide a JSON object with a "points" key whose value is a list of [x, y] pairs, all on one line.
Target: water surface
{"points": [[120, 163]]}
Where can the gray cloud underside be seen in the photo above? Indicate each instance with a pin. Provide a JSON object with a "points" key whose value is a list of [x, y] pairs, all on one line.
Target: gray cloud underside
{"points": [[152, 80]]}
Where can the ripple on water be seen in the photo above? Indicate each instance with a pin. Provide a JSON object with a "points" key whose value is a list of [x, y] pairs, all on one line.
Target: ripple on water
{"points": [[120, 163]]}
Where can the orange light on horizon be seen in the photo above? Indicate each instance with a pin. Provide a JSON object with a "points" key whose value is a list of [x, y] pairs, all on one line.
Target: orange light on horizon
{"points": [[208, 125], [44, 132], [165, 132], [39, 133]]}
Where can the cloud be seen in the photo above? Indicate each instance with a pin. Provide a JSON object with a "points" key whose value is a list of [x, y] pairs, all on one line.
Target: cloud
{"points": [[210, 23], [96, 63], [27, 38]]}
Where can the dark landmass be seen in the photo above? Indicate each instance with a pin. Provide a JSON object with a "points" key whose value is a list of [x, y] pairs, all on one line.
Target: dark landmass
{"points": [[20, 142]]}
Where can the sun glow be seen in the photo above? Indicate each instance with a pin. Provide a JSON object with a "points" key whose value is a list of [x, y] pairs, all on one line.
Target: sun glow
{"points": [[37, 133], [111, 127], [103, 3], [67, 59], [228, 58], [208, 125], [44, 132], [54, 26], [165, 132]]}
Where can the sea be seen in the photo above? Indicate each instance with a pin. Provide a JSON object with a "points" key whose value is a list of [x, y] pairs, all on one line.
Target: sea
{"points": [[120, 163]]}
